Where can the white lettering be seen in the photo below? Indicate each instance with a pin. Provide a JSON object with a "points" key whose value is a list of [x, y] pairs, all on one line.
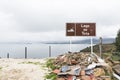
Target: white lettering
{"points": [[85, 30], [85, 26], [85, 33]]}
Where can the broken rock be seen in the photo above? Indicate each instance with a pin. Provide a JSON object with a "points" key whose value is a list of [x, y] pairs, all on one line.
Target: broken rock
{"points": [[116, 68], [99, 72]]}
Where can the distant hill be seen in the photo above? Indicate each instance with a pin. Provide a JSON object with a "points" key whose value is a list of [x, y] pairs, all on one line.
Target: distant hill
{"points": [[95, 41], [110, 47], [86, 41]]}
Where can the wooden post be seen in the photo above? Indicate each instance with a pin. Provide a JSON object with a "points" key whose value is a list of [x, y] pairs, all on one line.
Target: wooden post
{"points": [[91, 45], [25, 52], [100, 47], [49, 51], [7, 55]]}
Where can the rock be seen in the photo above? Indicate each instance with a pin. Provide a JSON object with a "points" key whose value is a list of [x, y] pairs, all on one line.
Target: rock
{"points": [[74, 70], [65, 60], [76, 58], [73, 62], [92, 77], [82, 73], [116, 68], [65, 68], [77, 71], [105, 77], [89, 72], [91, 66], [86, 66], [99, 72], [56, 71], [60, 79], [71, 78], [85, 78]]}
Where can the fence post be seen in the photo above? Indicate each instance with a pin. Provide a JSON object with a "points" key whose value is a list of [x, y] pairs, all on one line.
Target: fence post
{"points": [[100, 46], [7, 55], [49, 51], [25, 52]]}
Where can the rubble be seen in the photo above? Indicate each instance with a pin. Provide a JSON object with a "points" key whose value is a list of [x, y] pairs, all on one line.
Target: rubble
{"points": [[99, 72], [81, 66], [116, 68]]}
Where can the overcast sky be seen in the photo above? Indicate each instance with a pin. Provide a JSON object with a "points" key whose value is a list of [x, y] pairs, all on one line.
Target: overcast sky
{"points": [[43, 20]]}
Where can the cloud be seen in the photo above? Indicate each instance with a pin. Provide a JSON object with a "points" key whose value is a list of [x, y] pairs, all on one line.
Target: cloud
{"points": [[108, 31], [30, 19]]}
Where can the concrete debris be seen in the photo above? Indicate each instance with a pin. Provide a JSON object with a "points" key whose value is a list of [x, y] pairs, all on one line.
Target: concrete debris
{"points": [[65, 68], [99, 72], [116, 68], [56, 71], [90, 71], [81, 66], [91, 66], [103, 78]]}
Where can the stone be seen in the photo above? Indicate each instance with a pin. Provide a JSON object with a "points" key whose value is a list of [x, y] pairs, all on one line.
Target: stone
{"points": [[85, 77], [82, 73], [56, 71], [116, 68], [73, 62], [71, 78], [60, 79], [65, 68], [105, 77], [81, 66], [99, 72]]}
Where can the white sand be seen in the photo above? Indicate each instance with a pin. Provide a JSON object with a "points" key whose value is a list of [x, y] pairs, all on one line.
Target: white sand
{"points": [[22, 69]]}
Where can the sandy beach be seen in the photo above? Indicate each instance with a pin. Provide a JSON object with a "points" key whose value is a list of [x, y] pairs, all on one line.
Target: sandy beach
{"points": [[22, 69]]}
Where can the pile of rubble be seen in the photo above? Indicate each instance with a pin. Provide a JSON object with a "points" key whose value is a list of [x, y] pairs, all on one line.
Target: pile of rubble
{"points": [[81, 66]]}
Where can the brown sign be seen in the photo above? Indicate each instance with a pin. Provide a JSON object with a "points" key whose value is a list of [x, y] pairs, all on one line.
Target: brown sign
{"points": [[81, 29]]}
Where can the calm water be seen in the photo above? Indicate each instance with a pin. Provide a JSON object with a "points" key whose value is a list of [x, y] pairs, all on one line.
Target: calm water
{"points": [[37, 50]]}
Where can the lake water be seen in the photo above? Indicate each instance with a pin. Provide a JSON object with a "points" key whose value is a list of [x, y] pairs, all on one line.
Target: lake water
{"points": [[38, 50]]}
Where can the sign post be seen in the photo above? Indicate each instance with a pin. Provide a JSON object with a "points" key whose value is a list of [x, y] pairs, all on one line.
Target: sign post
{"points": [[81, 29]]}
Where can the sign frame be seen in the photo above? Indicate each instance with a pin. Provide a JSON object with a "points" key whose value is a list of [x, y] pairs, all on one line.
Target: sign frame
{"points": [[80, 29]]}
